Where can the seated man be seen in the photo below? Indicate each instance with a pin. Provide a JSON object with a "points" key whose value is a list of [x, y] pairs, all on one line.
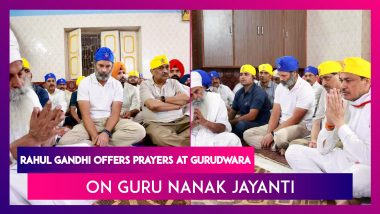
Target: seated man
{"points": [[62, 85], [292, 112], [41, 92], [210, 117], [75, 117], [328, 72], [176, 69], [224, 91], [29, 127], [276, 77], [251, 102], [131, 98], [350, 124], [163, 101], [311, 76], [265, 75], [119, 72], [100, 97], [56, 96]]}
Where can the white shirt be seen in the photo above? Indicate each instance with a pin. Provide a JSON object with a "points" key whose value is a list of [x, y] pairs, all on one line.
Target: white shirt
{"points": [[131, 98], [317, 93], [100, 97], [149, 90], [300, 96], [225, 93], [58, 98], [68, 96], [237, 87], [355, 134]]}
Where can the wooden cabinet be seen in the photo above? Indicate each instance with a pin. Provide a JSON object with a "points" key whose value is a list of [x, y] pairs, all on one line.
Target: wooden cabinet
{"points": [[233, 38]]}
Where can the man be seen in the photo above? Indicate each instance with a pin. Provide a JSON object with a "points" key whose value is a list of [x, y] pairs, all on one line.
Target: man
{"points": [[276, 77], [62, 85], [100, 97], [176, 69], [311, 76], [141, 79], [119, 72], [163, 101], [210, 117], [56, 96], [350, 124], [328, 72], [224, 91], [41, 92], [131, 98], [251, 102], [265, 75], [75, 116], [185, 80], [29, 127], [292, 111]]}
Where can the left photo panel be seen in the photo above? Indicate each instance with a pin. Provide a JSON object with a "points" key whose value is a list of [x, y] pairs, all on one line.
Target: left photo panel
{"points": [[97, 78]]}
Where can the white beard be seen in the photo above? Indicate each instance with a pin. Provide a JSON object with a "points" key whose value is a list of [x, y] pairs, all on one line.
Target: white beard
{"points": [[21, 109]]}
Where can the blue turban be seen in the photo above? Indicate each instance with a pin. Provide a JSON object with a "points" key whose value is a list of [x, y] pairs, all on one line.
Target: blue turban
{"points": [[312, 70], [206, 80], [287, 63], [104, 53], [184, 79], [214, 74], [61, 81], [50, 75]]}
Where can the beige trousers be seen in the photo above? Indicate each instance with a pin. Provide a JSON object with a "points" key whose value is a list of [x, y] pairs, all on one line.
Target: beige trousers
{"points": [[176, 133], [282, 137], [125, 133]]}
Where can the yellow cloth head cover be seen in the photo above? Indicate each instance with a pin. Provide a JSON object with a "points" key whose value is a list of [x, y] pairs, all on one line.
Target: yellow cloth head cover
{"points": [[79, 80], [25, 63], [357, 66], [133, 74], [247, 68], [266, 67], [329, 67], [157, 61]]}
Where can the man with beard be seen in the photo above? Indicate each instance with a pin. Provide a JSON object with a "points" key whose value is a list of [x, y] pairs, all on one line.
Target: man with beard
{"points": [[131, 98], [56, 96], [251, 102], [119, 72], [224, 91], [265, 75], [29, 127], [328, 72], [292, 111], [62, 85], [210, 117], [311, 76], [349, 123], [100, 98], [176, 69], [41, 92], [163, 101]]}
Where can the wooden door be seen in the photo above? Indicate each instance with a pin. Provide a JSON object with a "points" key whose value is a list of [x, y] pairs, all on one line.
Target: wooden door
{"points": [[295, 35], [110, 39], [75, 53], [128, 49], [273, 36], [217, 38]]}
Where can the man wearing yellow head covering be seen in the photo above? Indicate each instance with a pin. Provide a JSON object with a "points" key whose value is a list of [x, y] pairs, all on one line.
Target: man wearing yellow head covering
{"points": [[350, 124], [163, 101], [265, 75], [251, 102], [131, 98]]}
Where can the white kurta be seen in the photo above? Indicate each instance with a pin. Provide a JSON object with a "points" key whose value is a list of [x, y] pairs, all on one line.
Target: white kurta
{"points": [[131, 98], [225, 93], [58, 98], [213, 109], [355, 157], [318, 89]]}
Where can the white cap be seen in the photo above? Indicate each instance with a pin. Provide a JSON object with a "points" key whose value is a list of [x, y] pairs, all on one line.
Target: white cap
{"points": [[195, 79], [275, 73], [14, 51]]}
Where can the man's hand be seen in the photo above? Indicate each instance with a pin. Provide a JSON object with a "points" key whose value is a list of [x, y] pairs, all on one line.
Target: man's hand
{"points": [[126, 115], [335, 108], [267, 141], [198, 117], [234, 121], [312, 144], [102, 140]]}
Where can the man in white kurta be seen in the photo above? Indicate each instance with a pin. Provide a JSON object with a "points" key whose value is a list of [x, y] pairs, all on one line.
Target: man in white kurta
{"points": [[56, 96], [311, 76], [350, 124], [224, 91], [131, 98], [211, 125]]}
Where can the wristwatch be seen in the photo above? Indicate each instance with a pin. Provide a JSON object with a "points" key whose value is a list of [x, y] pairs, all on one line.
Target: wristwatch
{"points": [[162, 98], [107, 132]]}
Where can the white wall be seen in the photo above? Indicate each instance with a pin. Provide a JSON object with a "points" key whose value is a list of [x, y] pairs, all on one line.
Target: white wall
{"points": [[334, 35], [42, 38]]}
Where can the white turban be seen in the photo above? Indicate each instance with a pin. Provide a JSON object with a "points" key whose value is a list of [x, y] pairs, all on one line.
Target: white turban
{"points": [[195, 79], [14, 50]]}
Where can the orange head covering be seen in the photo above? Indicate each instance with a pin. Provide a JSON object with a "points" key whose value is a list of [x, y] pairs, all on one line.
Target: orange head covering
{"points": [[117, 66], [178, 64]]}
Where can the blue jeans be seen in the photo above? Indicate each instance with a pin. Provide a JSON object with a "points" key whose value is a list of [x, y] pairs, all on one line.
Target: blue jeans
{"points": [[241, 126]]}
